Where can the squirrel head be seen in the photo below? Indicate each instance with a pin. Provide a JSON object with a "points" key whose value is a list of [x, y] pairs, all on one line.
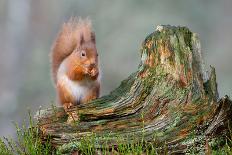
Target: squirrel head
{"points": [[84, 59], [76, 46]]}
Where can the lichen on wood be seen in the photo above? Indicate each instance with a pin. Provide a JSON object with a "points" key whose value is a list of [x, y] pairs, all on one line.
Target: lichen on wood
{"points": [[170, 98]]}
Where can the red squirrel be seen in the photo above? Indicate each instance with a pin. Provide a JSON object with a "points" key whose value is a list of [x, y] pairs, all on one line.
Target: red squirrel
{"points": [[74, 60]]}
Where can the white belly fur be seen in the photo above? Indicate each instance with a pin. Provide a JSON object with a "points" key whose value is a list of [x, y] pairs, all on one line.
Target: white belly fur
{"points": [[77, 89]]}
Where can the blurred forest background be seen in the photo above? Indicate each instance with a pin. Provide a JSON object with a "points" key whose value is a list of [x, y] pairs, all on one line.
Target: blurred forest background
{"points": [[28, 28]]}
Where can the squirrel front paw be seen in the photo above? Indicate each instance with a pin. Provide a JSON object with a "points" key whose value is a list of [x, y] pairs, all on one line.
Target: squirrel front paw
{"points": [[94, 73]]}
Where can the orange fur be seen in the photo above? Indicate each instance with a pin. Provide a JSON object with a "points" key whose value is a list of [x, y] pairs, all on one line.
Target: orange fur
{"points": [[64, 94], [68, 39], [75, 39]]}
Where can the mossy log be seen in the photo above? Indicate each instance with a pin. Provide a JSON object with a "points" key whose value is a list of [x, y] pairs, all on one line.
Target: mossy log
{"points": [[169, 100]]}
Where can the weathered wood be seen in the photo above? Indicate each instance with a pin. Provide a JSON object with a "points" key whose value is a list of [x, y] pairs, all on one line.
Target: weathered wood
{"points": [[171, 99]]}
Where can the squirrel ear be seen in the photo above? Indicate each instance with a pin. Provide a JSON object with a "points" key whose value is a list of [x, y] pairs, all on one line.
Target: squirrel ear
{"points": [[81, 39], [93, 37]]}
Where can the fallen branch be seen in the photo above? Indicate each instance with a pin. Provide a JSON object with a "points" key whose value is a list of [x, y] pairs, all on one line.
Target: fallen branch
{"points": [[170, 100]]}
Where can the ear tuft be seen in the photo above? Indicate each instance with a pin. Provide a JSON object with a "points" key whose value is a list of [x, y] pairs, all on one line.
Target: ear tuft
{"points": [[93, 37], [82, 39]]}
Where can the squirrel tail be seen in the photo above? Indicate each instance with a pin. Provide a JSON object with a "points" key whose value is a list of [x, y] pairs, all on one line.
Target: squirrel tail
{"points": [[71, 36]]}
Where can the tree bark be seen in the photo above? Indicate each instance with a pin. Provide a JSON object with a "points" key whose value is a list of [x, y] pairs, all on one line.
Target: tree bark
{"points": [[169, 100]]}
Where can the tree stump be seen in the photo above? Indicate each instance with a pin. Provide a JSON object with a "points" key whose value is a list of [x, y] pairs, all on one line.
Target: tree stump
{"points": [[170, 96]]}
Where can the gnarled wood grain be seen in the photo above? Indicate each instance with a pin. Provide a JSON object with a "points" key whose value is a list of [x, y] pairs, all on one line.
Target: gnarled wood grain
{"points": [[170, 98]]}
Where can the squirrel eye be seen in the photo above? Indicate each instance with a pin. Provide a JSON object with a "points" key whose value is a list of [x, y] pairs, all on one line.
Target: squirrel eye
{"points": [[83, 54]]}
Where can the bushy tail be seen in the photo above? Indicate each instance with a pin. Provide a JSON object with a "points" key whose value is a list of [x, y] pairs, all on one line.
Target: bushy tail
{"points": [[75, 31]]}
